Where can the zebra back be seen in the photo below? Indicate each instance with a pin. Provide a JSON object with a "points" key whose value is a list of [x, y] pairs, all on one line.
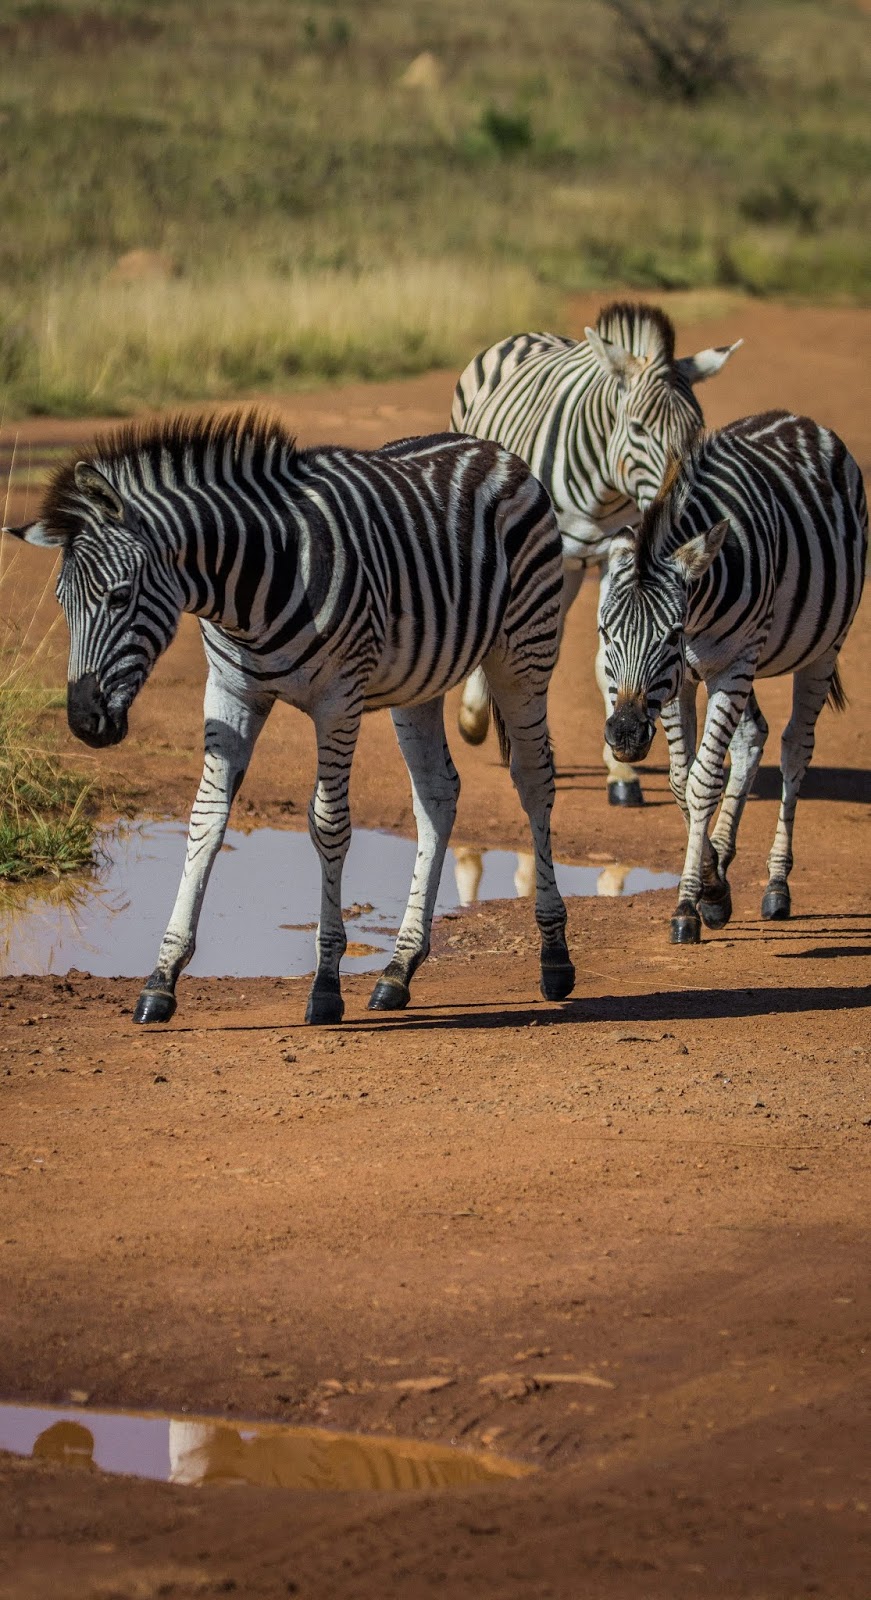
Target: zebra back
{"points": [[789, 567], [596, 420]]}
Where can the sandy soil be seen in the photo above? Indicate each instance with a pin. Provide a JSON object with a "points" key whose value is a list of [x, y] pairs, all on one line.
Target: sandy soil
{"points": [[630, 1230]]}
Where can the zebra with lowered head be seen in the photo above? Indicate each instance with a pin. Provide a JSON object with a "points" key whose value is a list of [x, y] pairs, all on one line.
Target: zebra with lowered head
{"points": [[597, 420], [750, 565], [340, 581]]}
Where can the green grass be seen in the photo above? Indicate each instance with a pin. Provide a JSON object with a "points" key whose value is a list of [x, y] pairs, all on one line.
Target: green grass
{"points": [[46, 824], [270, 149]]}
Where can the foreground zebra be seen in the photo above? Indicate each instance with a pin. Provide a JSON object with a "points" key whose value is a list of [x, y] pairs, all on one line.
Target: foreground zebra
{"points": [[750, 566], [340, 581], [597, 421]]}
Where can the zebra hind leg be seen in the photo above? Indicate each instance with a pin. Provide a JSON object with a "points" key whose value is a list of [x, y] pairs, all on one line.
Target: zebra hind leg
{"points": [[435, 786], [474, 715], [524, 714], [810, 687]]}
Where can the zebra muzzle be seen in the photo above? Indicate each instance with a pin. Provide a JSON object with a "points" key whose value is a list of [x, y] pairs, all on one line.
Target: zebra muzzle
{"points": [[629, 732], [89, 716]]}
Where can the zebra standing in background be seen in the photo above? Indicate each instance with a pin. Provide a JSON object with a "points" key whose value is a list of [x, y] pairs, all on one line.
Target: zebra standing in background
{"points": [[750, 566], [339, 581], [597, 421]]}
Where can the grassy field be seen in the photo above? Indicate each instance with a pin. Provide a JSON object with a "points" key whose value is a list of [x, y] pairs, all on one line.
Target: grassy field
{"points": [[317, 216]]}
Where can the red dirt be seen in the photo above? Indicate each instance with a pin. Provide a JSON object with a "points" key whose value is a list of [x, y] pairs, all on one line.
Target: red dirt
{"points": [[662, 1184]]}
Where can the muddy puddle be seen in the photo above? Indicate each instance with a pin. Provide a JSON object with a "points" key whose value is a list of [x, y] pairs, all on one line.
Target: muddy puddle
{"points": [[193, 1450], [262, 903]]}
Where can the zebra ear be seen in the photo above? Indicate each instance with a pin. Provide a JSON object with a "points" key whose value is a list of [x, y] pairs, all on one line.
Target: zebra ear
{"points": [[37, 533], [621, 550], [97, 488], [706, 363], [613, 359], [695, 557]]}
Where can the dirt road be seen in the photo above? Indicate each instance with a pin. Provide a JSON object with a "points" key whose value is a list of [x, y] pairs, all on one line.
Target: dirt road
{"points": [[630, 1232]]}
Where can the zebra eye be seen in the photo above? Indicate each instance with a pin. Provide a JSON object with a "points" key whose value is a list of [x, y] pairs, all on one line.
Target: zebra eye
{"points": [[119, 599]]}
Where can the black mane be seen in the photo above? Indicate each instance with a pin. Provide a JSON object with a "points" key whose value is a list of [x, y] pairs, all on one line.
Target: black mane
{"points": [[658, 518], [645, 330], [170, 448]]}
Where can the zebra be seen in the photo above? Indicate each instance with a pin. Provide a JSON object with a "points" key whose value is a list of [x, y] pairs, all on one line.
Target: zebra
{"points": [[597, 421], [337, 580], [750, 565]]}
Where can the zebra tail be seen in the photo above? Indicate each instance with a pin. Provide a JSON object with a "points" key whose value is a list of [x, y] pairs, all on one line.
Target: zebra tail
{"points": [[836, 698], [501, 731]]}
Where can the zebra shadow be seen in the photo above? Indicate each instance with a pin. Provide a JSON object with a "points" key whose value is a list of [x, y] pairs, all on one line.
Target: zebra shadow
{"points": [[819, 783], [668, 1006]]}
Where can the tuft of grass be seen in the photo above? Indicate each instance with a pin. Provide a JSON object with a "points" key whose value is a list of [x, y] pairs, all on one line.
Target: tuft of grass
{"points": [[45, 821]]}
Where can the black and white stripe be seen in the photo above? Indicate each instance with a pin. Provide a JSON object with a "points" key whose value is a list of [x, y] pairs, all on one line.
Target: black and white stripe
{"points": [[337, 580], [750, 566], [597, 421]]}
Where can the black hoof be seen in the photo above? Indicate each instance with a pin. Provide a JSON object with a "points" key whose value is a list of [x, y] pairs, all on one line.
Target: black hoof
{"points": [[776, 902], [717, 912], [557, 982], [625, 794], [324, 1007], [389, 995], [155, 1005], [686, 926], [474, 735]]}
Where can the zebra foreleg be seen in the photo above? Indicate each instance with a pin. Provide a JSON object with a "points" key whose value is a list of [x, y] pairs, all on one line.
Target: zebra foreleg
{"points": [[679, 722], [231, 730], [531, 767], [623, 782], [745, 754], [329, 824], [810, 686], [435, 786], [700, 879]]}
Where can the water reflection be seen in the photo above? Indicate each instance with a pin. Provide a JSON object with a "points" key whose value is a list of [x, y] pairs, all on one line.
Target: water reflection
{"points": [[484, 875], [263, 902], [195, 1450]]}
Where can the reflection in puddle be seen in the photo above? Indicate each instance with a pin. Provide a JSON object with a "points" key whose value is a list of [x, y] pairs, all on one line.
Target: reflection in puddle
{"points": [[200, 1450], [490, 875], [262, 903]]}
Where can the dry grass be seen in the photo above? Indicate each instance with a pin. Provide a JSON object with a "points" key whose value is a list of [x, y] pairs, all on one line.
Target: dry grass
{"points": [[100, 344], [325, 219]]}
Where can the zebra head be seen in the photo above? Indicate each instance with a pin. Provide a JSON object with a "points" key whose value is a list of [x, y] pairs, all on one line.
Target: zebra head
{"points": [[643, 608], [656, 410], [122, 600]]}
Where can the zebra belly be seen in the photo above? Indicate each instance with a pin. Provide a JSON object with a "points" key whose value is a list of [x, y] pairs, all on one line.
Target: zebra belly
{"points": [[393, 684]]}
